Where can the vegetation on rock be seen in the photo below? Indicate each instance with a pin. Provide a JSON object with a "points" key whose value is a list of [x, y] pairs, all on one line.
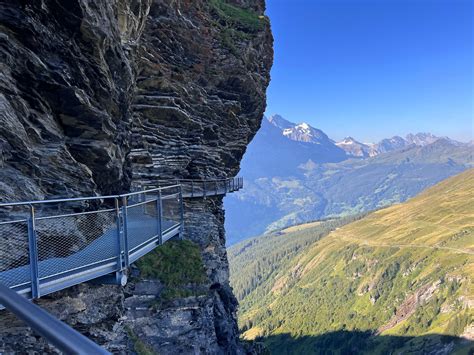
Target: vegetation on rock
{"points": [[138, 345], [178, 265], [237, 25], [237, 17]]}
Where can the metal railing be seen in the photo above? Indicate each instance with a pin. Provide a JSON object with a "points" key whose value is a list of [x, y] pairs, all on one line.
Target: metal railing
{"points": [[49, 245], [203, 188], [61, 335]]}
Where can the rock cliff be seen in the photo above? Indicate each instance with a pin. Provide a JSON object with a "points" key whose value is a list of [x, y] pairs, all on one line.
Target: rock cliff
{"points": [[97, 97]]}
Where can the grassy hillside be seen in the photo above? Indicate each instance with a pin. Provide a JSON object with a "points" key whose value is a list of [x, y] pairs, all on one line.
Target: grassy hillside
{"points": [[395, 279]]}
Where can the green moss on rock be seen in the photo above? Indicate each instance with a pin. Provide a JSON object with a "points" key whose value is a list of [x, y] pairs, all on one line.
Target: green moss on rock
{"points": [[178, 265], [237, 17]]}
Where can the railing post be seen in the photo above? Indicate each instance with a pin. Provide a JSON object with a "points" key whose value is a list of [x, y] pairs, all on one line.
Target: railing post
{"points": [[125, 231], [159, 214], [119, 235], [204, 188], [33, 254], [181, 212]]}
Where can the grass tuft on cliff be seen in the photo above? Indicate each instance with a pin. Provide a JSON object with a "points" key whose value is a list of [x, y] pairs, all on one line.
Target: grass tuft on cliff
{"points": [[237, 17], [178, 265], [138, 345]]}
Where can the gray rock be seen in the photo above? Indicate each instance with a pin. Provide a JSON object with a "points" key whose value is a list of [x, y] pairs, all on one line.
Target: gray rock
{"points": [[99, 97]]}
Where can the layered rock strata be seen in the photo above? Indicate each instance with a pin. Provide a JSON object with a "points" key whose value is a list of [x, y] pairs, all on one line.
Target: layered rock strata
{"points": [[97, 97]]}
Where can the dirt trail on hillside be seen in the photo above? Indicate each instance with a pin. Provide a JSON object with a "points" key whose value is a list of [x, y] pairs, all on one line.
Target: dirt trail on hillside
{"points": [[375, 244]]}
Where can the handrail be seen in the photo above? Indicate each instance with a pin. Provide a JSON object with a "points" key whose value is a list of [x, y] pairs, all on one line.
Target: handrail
{"points": [[88, 198], [61, 335], [91, 198], [189, 180]]}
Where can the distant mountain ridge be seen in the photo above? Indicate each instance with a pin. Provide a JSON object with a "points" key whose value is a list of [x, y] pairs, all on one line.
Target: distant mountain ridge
{"points": [[357, 149], [302, 176], [304, 132]]}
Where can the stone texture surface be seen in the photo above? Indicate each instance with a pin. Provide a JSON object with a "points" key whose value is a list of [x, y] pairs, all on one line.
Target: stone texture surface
{"points": [[98, 97]]}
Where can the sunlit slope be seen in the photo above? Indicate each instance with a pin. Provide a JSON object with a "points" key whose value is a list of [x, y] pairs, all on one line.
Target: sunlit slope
{"points": [[405, 270], [440, 217]]}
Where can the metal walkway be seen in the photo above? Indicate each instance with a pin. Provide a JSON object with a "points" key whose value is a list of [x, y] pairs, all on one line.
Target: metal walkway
{"points": [[54, 244]]}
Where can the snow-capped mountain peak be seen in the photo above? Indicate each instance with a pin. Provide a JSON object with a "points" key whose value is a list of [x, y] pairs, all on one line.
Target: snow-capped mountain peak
{"points": [[301, 132], [304, 126], [348, 140], [354, 148], [280, 122]]}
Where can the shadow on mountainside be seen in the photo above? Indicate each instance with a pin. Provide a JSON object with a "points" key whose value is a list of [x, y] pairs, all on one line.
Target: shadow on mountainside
{"points": [[357, 342]]}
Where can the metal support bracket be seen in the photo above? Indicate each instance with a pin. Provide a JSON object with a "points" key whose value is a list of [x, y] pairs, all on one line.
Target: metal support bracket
{"points": [[181, 204], [33, 254], [159, 215], [125, 232]]}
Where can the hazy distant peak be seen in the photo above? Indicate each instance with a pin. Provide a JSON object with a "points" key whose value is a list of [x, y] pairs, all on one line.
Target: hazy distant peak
{"points": [[394, 139], [354, 148], [421, 139], [349, 140], [280, 122]]}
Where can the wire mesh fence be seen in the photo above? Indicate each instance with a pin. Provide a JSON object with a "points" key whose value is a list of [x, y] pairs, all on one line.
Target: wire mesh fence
{"points": [[68, 242], [14, 253], [142, 223]]}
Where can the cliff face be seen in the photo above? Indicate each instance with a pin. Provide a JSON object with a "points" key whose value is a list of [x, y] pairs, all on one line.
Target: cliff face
{"points": [[100, 96]]}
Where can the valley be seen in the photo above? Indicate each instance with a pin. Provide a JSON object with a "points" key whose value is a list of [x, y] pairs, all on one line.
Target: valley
{"points": [[309, 177], [391, 280]]}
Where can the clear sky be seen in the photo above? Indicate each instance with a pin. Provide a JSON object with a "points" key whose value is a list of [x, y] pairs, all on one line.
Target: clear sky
{"points": [[372, 69]]}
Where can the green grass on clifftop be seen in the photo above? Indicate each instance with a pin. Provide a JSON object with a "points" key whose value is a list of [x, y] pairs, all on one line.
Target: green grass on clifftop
{"points": [[237, 17]]}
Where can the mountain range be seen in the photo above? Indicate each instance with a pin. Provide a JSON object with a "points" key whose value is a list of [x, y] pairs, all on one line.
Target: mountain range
{"points": [[295, 173], [303, 132], [395, 281]]}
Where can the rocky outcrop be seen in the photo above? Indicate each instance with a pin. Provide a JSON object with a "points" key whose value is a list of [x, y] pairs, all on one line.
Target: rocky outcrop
{"points": [[99, 96], [410, 304]]}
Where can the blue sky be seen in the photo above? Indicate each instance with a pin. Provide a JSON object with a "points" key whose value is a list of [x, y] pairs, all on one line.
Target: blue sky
{"points": [[374, 68]]}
